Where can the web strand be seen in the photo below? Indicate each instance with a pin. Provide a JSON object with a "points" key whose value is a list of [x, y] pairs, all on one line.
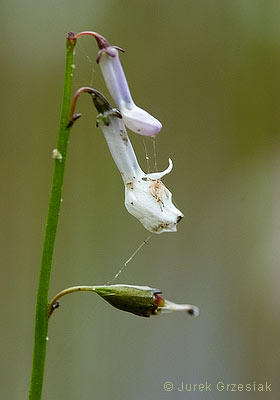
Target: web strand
{"points": [[155, 154], [128, 260], [147, 158]]}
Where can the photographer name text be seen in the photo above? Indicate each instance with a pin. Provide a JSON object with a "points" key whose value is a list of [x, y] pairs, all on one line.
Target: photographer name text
{"points": [[219, 386]]}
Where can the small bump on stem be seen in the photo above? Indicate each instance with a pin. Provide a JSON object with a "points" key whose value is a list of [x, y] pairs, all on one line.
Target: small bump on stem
{"points": [[70, 40]]}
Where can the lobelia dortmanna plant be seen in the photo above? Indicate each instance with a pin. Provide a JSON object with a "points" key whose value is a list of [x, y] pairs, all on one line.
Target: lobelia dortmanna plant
{"points": [[146, 197]]}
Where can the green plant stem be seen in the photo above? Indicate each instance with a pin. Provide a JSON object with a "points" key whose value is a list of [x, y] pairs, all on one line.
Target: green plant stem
{"points": [[41, 318]]}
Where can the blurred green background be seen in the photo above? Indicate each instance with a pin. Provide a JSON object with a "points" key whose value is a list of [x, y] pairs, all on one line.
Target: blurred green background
{"points": [[210, 71]]}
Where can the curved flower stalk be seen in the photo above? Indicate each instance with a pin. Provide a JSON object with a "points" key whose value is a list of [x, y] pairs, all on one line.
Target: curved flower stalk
{"points": [[143, 301], [146, 197], [135, 118]]}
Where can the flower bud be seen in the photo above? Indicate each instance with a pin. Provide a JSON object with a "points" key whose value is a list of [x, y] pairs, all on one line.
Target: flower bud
{"points": [[140, 300], [135, 118]]}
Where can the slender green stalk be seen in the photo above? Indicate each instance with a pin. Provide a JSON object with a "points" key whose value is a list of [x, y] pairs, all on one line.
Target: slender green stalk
{"points": [[53, 303], [41, 319]]}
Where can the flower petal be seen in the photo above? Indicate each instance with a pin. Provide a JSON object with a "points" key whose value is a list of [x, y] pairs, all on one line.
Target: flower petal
{"points": [[115, 78], [169, 306], [159, 175], [151, 203], [140, 121]]}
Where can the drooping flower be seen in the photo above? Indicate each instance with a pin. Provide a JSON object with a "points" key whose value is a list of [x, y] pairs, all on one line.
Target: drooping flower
{"points": [[135, 118], [146, 197], [140, 300]]}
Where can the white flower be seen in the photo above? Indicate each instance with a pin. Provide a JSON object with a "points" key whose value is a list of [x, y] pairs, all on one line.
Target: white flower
{"points": [[146, 197], [135, 118], [149, 200]]}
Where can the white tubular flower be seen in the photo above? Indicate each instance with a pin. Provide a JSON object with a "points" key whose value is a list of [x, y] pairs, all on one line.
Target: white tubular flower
{"points": [[146, 197], [135, 118]]}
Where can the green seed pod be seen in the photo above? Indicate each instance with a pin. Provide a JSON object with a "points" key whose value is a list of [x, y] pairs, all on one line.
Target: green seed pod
{"points": [[139, 300]]}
